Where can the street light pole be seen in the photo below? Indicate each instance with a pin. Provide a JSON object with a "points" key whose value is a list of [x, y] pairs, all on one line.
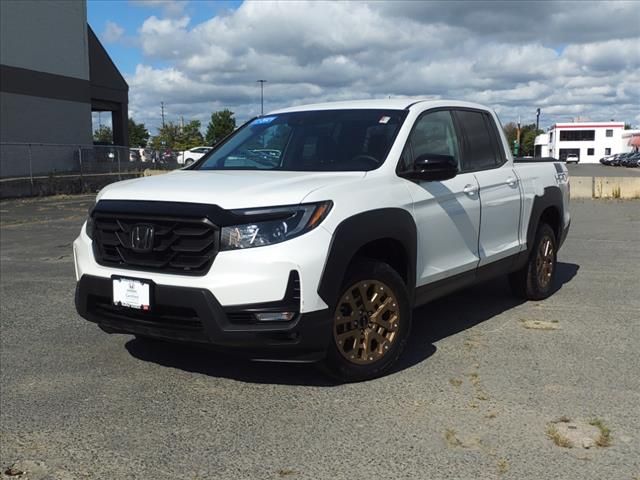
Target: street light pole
{"points": [[261, 82]]}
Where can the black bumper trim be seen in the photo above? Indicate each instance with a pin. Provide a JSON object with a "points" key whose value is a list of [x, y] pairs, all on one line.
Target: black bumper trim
{"points": [[193, 315]]}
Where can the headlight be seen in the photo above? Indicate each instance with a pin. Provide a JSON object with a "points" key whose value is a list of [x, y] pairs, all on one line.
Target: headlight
{"points": [[88, 228], [273, 225]]}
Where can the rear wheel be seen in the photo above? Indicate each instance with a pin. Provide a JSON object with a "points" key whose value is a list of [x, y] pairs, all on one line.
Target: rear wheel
{"points": [[535, 280], [371, 323]]}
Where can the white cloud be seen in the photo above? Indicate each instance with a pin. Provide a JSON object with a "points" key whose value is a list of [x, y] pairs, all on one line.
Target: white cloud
{"points": [[509, 55], [112, 32], [170, 8]]}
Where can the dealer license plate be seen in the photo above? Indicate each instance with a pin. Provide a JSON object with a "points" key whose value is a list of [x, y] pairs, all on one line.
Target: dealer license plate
{"points": [[131, 293]]}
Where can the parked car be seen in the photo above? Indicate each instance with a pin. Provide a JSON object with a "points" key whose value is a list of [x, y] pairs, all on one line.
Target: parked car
{"points": [[368, 210], [146, 154], [614, 161], [134, 155], [618, 159], [630, 160], [572, 158], [189, 156], [607, 159], [166, 157]]}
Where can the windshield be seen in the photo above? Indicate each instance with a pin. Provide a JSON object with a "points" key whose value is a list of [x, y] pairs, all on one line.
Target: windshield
{"points": [[328, 141]]}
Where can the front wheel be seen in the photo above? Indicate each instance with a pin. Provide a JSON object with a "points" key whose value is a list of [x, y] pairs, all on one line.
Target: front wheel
{"points": [[371, 323], [535, 280], [188, 161]]}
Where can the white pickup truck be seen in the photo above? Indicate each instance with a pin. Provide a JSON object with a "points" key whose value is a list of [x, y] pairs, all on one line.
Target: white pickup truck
{"points": [[311, 233]]}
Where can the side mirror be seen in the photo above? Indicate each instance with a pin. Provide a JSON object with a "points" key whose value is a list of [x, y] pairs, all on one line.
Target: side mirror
{"points": [[433, 167]]}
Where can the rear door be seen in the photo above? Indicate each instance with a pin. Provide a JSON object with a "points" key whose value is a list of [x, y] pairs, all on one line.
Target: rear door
{"points": [[447, 213], [500, 196]]}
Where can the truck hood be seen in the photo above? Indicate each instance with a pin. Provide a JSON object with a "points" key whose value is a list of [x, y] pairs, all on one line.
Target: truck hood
{"points": [[229, 189]]}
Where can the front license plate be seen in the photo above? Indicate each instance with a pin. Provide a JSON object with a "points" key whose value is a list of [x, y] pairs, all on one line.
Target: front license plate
{"points": [[131, 293]]}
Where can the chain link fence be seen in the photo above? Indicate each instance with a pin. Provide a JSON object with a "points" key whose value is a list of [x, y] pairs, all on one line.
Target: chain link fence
{"points": [[38, 160]]}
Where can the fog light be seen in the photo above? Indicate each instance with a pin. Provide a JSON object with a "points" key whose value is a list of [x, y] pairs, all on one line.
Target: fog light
{"points": [[275, 316]]}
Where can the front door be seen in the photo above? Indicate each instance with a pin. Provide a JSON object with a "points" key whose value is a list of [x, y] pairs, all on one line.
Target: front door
{"points": [[447, 213]]}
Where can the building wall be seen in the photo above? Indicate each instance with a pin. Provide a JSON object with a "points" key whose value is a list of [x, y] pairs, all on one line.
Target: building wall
{"points": [[551, 145], [45, 88], [46, 36], [31, 119]]}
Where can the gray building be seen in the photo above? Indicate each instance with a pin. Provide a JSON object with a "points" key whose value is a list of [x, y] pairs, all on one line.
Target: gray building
{"points": [[53, 74]]}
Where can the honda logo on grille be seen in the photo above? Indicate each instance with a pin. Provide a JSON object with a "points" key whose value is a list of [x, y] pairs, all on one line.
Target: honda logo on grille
{"points": [[142, 238]]}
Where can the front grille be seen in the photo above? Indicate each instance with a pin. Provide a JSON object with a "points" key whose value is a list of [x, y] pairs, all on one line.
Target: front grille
{"points": [[180, 245]]}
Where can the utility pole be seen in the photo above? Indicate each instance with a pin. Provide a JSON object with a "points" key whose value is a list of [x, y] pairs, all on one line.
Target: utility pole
{"points": [[181, 122], [261, 82], [516, 146], [537, 120], [162, 110]]}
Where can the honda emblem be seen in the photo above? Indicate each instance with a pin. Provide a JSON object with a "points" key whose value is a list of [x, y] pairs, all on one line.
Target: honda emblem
{"points": [[142, 237]]}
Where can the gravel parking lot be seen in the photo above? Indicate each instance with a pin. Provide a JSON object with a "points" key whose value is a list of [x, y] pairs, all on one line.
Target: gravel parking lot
{"points": [[476, 396]]}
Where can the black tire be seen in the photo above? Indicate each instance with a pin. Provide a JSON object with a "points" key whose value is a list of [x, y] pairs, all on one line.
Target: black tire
{"points": [[336, 363], [188, 161], [530, 283], [147, 340]]}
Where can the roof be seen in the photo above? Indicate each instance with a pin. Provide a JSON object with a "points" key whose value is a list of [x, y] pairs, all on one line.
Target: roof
{"points": [[588, 125], [381, 104], [630, 133]]}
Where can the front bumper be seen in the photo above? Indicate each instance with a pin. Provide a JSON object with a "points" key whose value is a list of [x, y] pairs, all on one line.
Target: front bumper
{"points": [[194, 315], [236, 277]]}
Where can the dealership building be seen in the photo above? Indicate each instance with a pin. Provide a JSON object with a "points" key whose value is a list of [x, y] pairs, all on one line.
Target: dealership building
{"points": [[590, 141], [54, 73]]}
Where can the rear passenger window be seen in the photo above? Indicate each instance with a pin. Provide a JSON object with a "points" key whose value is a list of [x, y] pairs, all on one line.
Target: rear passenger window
{"points": [[480, 152]]}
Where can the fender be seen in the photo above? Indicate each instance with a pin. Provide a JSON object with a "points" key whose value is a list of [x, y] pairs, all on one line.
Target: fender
{"points": [[355, 232], [552, 197]]}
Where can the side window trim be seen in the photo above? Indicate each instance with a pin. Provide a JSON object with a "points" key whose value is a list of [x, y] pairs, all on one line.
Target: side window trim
{"points": [[495, 139]]}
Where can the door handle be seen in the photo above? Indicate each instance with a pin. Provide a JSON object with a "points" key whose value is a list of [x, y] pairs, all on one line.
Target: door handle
{"points": [[511, 181], [470, 189]]}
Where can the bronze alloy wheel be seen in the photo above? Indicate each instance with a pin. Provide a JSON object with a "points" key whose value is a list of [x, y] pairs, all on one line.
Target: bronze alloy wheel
{"points": [[544, 262], [366, 322]]}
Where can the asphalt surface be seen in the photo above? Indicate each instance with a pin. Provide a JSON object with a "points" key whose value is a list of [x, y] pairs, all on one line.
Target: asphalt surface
{"points": [[598, 170], [472, 398]]}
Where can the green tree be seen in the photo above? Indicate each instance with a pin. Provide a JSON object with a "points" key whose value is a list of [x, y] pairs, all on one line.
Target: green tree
{"points": [[189, 136], [178, 138], [167, 137], [511, 131], [222, 123], [528, 139], [138, 134], [627, 126], [528, 134], [103, 134]]}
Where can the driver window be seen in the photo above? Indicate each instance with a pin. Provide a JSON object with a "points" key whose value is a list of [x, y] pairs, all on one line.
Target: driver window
{"points": [[434, 133]]}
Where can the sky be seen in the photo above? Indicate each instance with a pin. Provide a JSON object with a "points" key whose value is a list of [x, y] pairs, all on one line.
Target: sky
{"points": [[574, 60]]}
